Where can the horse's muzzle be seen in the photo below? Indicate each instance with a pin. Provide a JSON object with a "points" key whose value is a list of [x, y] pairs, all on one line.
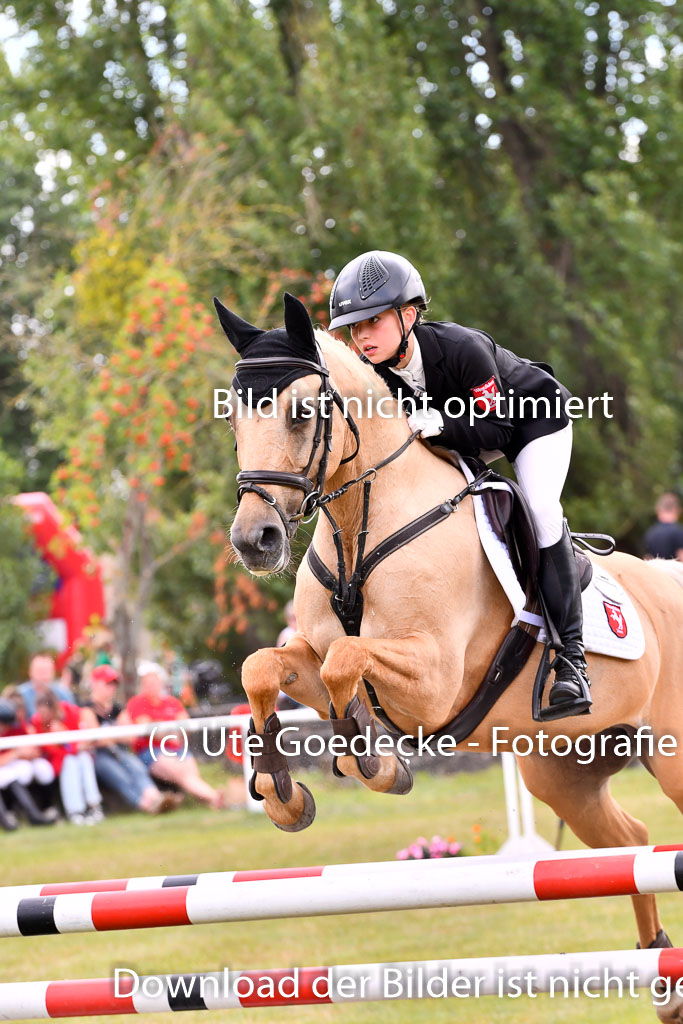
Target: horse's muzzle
{"points": [[263, 547]]}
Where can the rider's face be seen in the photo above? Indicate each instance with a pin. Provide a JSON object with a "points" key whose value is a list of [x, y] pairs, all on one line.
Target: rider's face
{"points": [[379, 337]]}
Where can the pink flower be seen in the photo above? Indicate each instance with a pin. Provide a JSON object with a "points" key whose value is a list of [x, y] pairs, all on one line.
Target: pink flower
{"points": [[437, 848]]}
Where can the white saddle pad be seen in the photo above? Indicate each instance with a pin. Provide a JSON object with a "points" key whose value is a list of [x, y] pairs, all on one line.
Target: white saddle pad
{"points": [[610, 622]]}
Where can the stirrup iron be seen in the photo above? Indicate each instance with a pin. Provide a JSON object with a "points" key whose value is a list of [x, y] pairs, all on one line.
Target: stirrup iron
{"points": [[578, 706]]}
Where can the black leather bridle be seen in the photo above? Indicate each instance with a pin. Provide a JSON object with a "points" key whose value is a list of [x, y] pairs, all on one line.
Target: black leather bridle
{"points": [[252, 479]]}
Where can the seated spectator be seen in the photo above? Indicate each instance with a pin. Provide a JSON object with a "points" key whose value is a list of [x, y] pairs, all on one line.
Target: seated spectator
{"points": [[11, 693], [206, 684], [664, 539], [70, 679], [41, 680], [153, 704], [19, 768], [71, 761], [116, 767]]}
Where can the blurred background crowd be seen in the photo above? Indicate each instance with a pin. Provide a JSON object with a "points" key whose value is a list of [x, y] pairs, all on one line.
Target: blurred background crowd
{"points": [[70, 781]]}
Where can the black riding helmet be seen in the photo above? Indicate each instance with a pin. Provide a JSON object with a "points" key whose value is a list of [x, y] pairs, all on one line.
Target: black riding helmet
{"points": [[372, 283]]}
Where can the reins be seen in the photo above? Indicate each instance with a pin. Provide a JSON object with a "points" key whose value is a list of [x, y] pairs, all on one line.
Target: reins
{"points": [[314, 498], [346, 596]]}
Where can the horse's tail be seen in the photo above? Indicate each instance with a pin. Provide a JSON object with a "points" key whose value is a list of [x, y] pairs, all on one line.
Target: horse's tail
{"points": [[670, 566]]}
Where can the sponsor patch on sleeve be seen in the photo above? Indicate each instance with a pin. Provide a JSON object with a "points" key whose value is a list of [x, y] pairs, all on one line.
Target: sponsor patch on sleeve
{"points": [[485, 394]]}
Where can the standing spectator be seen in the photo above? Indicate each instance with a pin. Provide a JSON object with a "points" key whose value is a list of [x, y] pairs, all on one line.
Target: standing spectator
{"points": [[116, 767], [71, 761], [154, 704], [664, 539], [41, 680], [19, 768]]}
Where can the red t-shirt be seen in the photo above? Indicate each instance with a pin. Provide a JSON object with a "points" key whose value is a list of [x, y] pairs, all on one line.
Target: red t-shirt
{"points": [[165, 709], [71, 717], [19, 729]]}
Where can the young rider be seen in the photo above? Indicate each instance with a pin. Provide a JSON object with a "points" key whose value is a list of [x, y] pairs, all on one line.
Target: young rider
{"points": [[380, 297]]}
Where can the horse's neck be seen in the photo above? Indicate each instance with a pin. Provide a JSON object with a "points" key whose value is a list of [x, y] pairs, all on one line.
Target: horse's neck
{"points": [[400, 490], [411, 484], [377, 439], [416, 481]]}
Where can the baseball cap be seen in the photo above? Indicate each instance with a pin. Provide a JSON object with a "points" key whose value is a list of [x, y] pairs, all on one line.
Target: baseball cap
{"points": [[146, 668], [104, 674]]}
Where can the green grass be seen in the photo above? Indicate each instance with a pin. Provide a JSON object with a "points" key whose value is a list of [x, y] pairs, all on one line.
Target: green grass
{"points": [[352, 825]]}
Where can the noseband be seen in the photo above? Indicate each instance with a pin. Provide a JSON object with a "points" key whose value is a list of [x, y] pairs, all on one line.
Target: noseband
{"points": [[252, 479]]}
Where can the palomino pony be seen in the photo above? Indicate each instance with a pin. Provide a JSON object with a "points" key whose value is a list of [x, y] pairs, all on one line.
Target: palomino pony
{"points": [[434, 613]]}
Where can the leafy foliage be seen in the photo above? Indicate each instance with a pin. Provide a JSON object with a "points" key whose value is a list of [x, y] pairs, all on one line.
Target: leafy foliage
{"points": [[23, 604], [523, 154]]}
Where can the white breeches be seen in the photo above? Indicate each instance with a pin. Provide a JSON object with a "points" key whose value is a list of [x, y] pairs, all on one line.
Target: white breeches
{"points": [[37, 769], [541, 469]]}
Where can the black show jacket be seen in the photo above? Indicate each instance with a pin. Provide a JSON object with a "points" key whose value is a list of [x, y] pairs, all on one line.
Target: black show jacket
{"points": [[461, 362]]}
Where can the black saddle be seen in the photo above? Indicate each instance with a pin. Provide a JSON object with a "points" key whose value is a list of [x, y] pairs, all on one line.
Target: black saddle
{"points": [[510, 517]]}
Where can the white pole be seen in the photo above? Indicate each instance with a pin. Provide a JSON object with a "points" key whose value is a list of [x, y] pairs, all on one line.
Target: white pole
{"points": [[524, 840], [511, 805]]}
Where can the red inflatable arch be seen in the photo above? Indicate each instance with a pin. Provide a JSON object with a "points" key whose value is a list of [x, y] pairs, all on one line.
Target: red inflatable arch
{"points": [[79, 596]]}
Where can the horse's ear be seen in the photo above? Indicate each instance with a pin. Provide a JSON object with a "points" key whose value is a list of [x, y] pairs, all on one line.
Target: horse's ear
{"points": [[299, 327], [240, 333]]}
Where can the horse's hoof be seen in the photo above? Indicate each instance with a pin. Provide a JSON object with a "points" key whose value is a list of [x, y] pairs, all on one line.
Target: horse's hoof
{"points": [[671, 1012], [403, 779], [660, 941], [307, 815]]}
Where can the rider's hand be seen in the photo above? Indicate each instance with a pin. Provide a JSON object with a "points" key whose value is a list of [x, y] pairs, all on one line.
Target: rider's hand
{"points": [[428, 421]]}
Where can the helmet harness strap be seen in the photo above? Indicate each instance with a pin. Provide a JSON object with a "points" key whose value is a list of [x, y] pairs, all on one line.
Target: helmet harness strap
{"points": [[403, 347]]}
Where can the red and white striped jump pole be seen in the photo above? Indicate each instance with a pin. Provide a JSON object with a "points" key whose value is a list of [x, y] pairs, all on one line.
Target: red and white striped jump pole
{"points": [[213, 877], [568, 975], [345, 889]]}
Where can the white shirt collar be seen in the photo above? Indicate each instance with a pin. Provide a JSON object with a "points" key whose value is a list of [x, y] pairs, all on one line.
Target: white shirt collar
{"points": [[413, 372]]}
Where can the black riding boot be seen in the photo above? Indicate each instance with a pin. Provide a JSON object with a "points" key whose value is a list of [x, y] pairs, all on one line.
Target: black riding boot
{"points": [[8, 820], [558, 578], [25, 801]]}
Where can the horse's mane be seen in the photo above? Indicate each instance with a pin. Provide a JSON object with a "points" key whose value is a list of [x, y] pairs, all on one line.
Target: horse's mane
{"points": [[361, 373]]}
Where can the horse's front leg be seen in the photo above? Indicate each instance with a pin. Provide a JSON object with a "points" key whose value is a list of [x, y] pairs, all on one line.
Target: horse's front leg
{"points": [[294, 668], [400, 668]]}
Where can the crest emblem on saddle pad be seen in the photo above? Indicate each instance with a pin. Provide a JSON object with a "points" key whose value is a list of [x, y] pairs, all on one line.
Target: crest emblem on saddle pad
{"points": [[615, 618], [486, 394]]}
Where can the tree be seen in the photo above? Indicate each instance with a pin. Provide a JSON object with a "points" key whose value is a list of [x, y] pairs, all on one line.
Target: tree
{"points": [[136, 477], [522, 154], [23, 604], [553, 131]]}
